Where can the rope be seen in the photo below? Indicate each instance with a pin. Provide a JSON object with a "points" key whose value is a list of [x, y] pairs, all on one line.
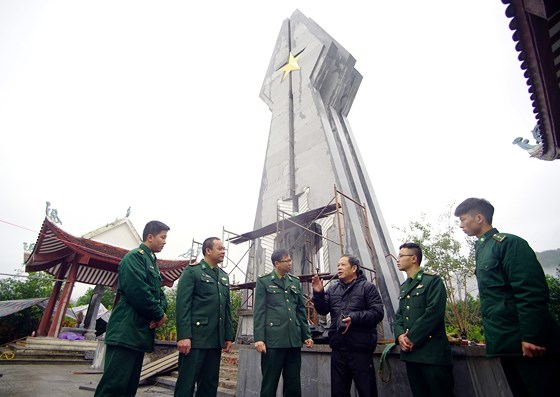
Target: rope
{"points": [[382, 363]]}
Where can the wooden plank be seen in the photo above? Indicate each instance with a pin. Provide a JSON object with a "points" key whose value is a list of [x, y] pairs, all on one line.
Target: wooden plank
{"points": [[156, 363], [162, 365]]}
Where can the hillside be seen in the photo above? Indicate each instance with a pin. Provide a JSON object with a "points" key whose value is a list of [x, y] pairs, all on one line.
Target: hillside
{"points": [[550, 260]]}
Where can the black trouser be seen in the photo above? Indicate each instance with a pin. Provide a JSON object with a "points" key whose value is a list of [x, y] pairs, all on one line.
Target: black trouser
{"points": [[285, 362], [350, 365], [427, 380], [121, 373], [535, 376]]}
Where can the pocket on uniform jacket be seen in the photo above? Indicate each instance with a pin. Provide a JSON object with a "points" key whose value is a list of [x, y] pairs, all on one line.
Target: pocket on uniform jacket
{"points": [[153, 278], [418, 296], [489, 274], [273, 323], [273, 289], [206, 279], [200, 322]]}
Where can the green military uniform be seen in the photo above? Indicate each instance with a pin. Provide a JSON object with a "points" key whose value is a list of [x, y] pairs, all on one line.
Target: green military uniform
{"points": [[514, 305], [204, 317], [280, 321], [128, 331], [421, 312]]}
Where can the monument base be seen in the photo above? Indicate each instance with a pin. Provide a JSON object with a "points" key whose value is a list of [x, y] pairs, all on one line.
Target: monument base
{"points": [[474, 374]]}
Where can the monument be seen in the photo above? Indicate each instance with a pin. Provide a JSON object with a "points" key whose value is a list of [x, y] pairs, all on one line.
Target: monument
{"points": [[316, 198]]}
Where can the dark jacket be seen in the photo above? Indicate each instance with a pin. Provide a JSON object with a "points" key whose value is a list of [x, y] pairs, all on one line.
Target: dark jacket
{"points": [[359, 300], [141, 301]]}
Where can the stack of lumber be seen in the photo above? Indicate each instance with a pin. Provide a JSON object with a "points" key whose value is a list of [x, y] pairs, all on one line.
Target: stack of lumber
{"points": [[35, 350], [162, 365]]}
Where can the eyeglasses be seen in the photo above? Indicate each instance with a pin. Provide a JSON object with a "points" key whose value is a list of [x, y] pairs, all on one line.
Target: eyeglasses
{"points": [[401, 255]]}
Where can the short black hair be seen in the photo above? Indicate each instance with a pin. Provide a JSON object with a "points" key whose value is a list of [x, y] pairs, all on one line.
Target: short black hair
{"points": [[415, 247], [208, 244], [278, 254], [353, 260], [153, 228], [478, 205]]}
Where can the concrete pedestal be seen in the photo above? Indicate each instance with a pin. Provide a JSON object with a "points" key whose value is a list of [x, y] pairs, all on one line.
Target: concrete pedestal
{"points": [[474, 374]]}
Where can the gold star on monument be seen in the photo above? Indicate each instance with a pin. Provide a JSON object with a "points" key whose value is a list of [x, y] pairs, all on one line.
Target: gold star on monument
{"points": [[291, 65]]}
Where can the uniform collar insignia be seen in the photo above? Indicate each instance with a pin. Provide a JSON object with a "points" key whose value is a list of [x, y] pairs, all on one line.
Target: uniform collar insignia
{"points": [[499, 237]]}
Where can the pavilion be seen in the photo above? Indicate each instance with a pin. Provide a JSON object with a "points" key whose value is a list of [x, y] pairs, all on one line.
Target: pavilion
{"points": [[73, 259]]}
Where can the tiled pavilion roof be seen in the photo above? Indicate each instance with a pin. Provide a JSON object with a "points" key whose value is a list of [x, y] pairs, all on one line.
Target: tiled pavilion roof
{"points": [[98, 261], [536, 31]]}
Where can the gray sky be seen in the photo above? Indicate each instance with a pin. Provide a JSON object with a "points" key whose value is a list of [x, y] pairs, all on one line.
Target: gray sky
{"points": [[155, 105]]}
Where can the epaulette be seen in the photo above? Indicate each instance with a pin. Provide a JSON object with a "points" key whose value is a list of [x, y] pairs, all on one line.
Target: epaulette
{"points": [[141, 251], [429, 274], [262, 275], [499, 237], [194, 263]]}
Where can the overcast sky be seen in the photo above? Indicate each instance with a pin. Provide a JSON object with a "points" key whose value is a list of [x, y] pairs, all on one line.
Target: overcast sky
{"points": [[155, 105]]}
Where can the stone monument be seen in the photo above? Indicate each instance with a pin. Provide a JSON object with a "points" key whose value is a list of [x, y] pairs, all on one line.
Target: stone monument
{"points": [[311, 155]]}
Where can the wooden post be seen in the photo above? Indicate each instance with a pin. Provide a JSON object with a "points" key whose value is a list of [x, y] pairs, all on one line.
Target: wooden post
{"points": [[64, 300], [47, 314]]}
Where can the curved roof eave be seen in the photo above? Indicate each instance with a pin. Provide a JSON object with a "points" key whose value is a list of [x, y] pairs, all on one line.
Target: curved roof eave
{"points": [[98, 261], [536, 27]]}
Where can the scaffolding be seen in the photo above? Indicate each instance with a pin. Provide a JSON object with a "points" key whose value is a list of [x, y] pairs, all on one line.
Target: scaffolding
{"points": [[309, 237]]}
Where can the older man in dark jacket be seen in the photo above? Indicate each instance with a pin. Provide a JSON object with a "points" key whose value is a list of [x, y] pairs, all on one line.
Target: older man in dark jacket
{"points": [[356, 309]]}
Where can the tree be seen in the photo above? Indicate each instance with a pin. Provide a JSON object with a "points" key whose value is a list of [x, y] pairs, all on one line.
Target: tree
{"points": [[170, 324], [23, 323], [554, 288], [454, 261], [107, 299], [37, 285], [236, 298]]}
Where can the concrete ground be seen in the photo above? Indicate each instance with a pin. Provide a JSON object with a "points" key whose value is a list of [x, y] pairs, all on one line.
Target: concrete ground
{"points": [[53, 380]]}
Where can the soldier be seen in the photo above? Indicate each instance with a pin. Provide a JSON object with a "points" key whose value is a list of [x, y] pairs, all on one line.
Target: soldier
{"points": [[203, 322], [139, 311], [420, 327], [280, 327], [518, 327]]}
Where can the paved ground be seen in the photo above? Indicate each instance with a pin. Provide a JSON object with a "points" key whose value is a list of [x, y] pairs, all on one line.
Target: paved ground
{"points": [[52, 380]]}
